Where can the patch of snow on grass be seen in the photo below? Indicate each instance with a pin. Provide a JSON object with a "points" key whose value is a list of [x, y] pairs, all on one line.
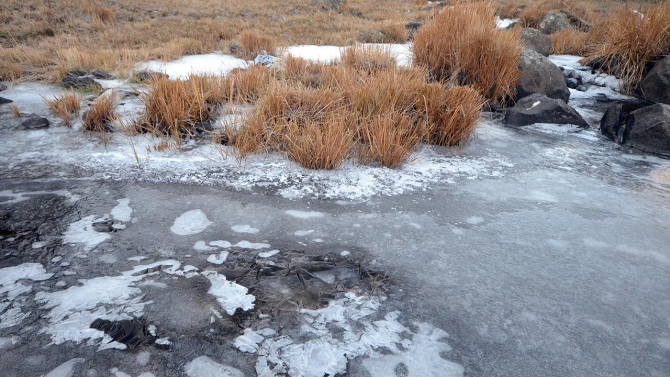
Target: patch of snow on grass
{"points": [[244, 229], [82, 232], [122, 211], [203, 366], [229, 294], [191, 222]]}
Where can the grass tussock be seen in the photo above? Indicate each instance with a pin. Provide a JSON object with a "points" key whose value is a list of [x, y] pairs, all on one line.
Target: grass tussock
{"points": [[390, 139], [474, 54], [569, 42], [174, 108], [455, 117], [631, 40], [253, 43], [100, 116], [64, 106], [368, 58], [16, 112]]}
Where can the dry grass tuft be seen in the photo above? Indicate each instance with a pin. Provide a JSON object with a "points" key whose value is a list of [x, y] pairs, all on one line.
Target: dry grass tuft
{"points": [[390, 139], [253, 44], [16, 113], [631, 41], [322, 144], [100, 116], [65, 106], [570, 42], [174, 108], [455, 117], [474, 54], [368, 59]]}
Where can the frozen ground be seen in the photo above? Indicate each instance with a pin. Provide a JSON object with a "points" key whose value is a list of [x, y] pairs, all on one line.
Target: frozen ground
{"points": [[540, 251]]}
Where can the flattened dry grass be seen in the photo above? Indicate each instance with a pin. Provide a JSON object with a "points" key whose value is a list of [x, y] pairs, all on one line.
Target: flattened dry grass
{"points": [[474, 53], [64, 106]]}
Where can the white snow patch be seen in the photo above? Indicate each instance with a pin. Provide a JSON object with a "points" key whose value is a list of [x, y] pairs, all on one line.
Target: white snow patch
{"points": [[203, 366], [143, 358], [122, 211], [136, 259], [570, 64], [229, 294], [217, 64], [218, 259], [341, 331], [302, 233], [71, 311], [331, 54], [251, 245], [304, 214], [504, 23], [223, 244], [82, 232], [345, 253], [244, 229], [191, 222], [66, 369], [474, 220], [37, 245], [202, 247], [9, 277], [268, 254]]}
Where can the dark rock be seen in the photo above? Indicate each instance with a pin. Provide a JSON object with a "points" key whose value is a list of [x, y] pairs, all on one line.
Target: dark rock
{"points": [[206, 126], [235, 49], [553, 22], [572, 83], [648, 129], [105, 226], [102, 75], [76, 73], [535, 40], [412, 27], [81, 83], [611, 123], [577, 22], [538, 108], [656, 84], [2, 87], [582, 88], [34, 123], [539, 75], [147, 76], [131, 332], [4, 100]]}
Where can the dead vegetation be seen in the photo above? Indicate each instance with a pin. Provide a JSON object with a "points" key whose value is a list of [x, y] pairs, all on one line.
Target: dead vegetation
{"points": [[65, 106], [99, 117]]}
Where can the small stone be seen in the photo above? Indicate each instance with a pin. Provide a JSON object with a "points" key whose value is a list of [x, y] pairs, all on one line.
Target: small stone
{"points": [[3, 87], [5, 100], [582, 88], [34, 123], [572, 83], [81, 82], [102, 75]]}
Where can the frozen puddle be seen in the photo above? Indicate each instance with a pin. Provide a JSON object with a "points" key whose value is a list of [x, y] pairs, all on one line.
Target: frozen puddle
{"points": [[191, 222], [344, 330], [122, 211]]}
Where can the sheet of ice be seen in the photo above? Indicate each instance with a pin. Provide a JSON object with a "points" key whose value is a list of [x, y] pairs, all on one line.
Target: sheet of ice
{"points": [[191, 222], [215, 64], [304, 214], [244, 229], [122, 211], [201, 246], [251, 245], [15, 197], [203, 366], [66, 369], [570, 64], [28, 96], [218, 259], [268, 254], [229, 294], [221, 243], [565, 129], [72, 310], [302, 233], [82, 232], [341, 331]]}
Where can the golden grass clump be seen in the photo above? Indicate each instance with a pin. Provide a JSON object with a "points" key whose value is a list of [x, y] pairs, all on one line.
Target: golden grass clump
{"points": [[64, 106], [631, 40], [253, 44], [368, 58], [322, 144], [100, 116], [569, 42], [390, 139], [16, 112], [461, 46], [174, 108], [455, 117]]}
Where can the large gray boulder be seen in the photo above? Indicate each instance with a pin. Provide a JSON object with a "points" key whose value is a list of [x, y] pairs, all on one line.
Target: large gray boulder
{"points": [[539, 75], [538, 108], [648, 129], [615, 117], [535, 40], [656, 84], [553, 22]]}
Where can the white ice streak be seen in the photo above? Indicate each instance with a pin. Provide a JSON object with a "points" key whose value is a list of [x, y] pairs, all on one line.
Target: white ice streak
{"points": [[66, 369], [229, 294], [218, 259], [251, 245], [221, 243], [203, 366], [191, 222], [244, 229], [82, 232], [202, 247], [122, 211], [304, 214], [302, 233], [9, 277], [268, 254], [341, 331], [71, 311]]}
